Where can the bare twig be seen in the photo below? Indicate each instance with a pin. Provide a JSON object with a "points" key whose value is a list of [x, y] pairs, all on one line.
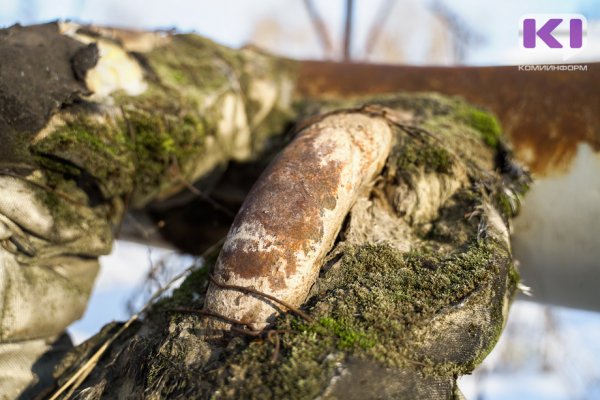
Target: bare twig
{"points": [[377, 26], [463, 36], [271, 334], [274, 334], [206, 313], [84, 371], [183, 273], [244, 289], [320, 28], [197, 192]]}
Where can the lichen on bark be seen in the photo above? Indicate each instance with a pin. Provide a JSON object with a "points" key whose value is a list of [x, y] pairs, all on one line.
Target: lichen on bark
{"points": [[204, 105]]}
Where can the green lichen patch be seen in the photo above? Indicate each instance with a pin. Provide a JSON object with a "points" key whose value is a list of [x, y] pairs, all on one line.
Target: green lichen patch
{"points": [[194, 64], [164, 143], [485, 123], [82, 145], [348, 336], [420, 154]]}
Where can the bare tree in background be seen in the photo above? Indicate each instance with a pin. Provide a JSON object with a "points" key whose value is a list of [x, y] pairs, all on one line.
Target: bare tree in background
{"points": [[442, 36], [463, 37]]}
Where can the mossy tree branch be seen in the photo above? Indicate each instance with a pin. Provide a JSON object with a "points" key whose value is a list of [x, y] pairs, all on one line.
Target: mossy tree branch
{"points": [[411, 291]]}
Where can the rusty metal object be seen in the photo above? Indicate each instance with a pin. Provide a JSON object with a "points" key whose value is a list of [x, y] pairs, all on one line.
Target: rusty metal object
{"points": [[552, 119], [544, 113], [294, 212]]}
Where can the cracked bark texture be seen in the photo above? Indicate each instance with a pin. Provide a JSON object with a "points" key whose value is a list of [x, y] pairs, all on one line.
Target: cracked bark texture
{"points": [[414, 292]]}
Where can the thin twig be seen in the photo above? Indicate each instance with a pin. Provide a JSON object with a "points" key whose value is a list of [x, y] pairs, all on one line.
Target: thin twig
{"points": [[244, 289], [84, 371], [183, 273], [197, 192], [207, 313], [377, 26], [320, 28], [145, 231], [270, 336]]}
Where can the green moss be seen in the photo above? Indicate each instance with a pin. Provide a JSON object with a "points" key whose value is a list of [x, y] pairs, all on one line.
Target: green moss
{"points": [[505, 205], [485, 123], [306, 362], [57, 167], [416, 284], [163, 143], [346, 335], [369, 307], [196, 62], [57, 207], [98, 149], [513, 275], [395, 295], [455, 120], [190, 293], [384, 307], [491, 337], [414, 154], [189, 80], [155, 372], [151, 142]]}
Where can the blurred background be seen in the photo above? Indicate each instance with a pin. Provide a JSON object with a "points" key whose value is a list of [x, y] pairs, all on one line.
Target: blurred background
{"points": [[546, 352]]}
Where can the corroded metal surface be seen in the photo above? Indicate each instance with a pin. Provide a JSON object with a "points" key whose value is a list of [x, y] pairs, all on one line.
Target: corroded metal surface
{"points": [[294, 212], [544, 113]]}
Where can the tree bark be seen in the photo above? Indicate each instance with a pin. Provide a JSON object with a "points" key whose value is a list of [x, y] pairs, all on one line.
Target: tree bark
{"points": [[410, 289]]}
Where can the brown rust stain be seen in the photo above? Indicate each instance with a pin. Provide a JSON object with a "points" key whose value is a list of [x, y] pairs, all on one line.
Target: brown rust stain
{"points": [[287, 201], [544, 113]]}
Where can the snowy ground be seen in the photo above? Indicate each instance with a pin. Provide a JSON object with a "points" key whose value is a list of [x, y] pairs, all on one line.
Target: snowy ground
{"points": [[123, 284], [544, 353]]}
